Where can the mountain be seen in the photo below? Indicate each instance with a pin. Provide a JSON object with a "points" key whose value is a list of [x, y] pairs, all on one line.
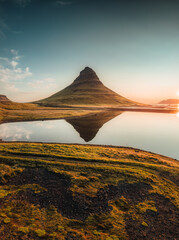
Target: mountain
{"points": [[170, 101], [89, 126], [86, 89]]}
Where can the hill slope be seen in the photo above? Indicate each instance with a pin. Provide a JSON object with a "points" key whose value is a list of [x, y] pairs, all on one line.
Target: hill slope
{"points": [[58, 191], [87, 89], [7, 104], [10, 110]]}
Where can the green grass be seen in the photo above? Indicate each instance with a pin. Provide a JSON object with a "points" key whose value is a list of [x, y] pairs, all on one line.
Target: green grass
{"points": [[89, 171]]}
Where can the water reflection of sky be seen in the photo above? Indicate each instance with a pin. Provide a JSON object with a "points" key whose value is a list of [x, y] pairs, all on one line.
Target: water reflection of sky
{"points": [[39, 131], [14, 133], [148, 131]]}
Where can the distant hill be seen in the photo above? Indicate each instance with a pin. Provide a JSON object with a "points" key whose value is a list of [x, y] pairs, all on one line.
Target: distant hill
{"points": [[4, 99], [170, 101], [7, 104], [86, 89]]}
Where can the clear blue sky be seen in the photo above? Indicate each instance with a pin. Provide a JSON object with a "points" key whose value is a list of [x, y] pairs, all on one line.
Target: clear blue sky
{"points": [[132, 45]]}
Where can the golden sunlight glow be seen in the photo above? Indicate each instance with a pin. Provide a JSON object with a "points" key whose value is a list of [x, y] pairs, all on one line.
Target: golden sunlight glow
{"points": [[178, 112], [178, 93]]}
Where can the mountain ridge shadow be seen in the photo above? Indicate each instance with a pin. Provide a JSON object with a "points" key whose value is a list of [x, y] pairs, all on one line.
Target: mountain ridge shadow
{"points": [[88, 126]]}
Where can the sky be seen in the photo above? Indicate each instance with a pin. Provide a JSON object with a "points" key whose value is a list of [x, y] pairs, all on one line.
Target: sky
{"points": [[132, 45]]}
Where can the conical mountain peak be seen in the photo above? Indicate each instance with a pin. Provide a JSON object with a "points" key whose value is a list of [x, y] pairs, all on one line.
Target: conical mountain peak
{"points": [[86, 89], [87, 75], [87, 70]]}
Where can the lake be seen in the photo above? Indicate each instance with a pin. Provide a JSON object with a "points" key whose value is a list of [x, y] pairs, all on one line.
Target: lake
{"points": [[155, 132]]}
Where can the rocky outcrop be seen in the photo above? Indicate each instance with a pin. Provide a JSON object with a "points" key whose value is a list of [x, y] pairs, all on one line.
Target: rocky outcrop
{"points": [[3, 98], [87, 75]]}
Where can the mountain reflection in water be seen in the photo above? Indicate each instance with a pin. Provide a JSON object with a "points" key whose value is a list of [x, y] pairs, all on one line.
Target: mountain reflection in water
{"points": [[155, 132], [89, 126]]}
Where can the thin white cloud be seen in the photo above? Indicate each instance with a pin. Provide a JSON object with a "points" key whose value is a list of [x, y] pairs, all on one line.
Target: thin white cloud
{"points": [[64, 3], [16, 81], [10, 73], [14, 64], [47, 83], [44, 125], [4, 59], [13, 51], [16, 54]]}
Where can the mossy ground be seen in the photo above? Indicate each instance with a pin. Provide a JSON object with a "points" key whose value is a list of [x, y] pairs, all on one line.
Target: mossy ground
{"points": [[59, 191]]}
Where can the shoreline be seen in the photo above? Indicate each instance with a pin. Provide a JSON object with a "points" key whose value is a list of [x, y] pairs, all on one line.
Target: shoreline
{"points": [[92, 145], [93, 110]]}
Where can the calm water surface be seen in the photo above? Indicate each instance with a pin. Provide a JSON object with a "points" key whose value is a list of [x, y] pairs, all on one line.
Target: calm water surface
{"points": [[154, 132]]}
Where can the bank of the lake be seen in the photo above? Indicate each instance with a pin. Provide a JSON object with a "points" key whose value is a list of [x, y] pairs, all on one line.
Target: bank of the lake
{"points": [[36, 113], [20, 112], [60, 191]]}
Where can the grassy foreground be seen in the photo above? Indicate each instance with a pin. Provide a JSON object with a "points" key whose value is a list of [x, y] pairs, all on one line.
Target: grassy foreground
{"points": [[58, 191]]}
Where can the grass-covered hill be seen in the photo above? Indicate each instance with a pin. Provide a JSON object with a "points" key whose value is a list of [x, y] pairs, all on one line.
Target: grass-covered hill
{"points": [[58, 191], [87, 89], [10, 110], [7, 104]]}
